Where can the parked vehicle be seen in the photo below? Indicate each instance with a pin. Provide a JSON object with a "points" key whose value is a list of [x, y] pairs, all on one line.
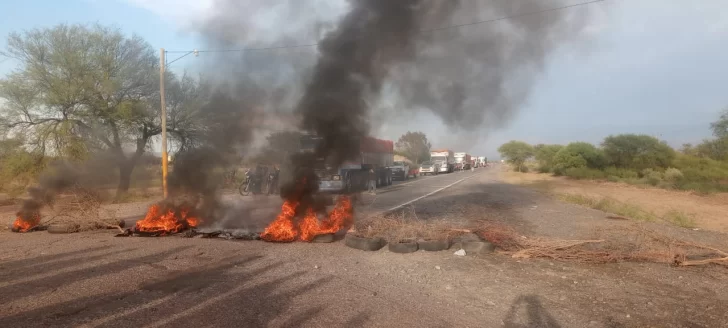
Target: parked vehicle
{"points": [[445, 159], [401, 170], [483, 161], [462, 161], [353, 175], [429, 168]]}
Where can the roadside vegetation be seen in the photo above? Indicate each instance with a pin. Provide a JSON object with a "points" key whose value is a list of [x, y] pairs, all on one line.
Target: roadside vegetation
{"points": [[634, 159]]}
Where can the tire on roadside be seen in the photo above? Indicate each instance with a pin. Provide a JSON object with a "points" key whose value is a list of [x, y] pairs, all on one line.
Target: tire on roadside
{"points": [[60, 228], [363, 243], [433, 245], [403, 247]]}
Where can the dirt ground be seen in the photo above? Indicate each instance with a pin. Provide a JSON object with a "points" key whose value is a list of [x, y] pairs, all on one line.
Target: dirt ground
{"points": [[710, 212], [92, 279]]}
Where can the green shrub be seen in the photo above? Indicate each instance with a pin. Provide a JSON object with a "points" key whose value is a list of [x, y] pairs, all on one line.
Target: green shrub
{"points": [[545, 154], [701, 174], [673, 175], [544, 169], [584, 173], [577, 155], [613, 178], [621, 173], [637, 151]]}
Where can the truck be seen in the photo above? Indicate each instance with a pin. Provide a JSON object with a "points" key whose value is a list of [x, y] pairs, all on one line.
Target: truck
{"points": [[445, 159], [353, 174], [403, 170], [482, 161], [462, 161]]}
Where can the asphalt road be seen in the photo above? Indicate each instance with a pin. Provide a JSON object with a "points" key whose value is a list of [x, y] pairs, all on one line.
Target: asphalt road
{"points": [[255, 212], [92, 279]]}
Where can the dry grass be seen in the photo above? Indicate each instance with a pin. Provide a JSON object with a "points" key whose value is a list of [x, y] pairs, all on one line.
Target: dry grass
{"points": [[610, 206], [680, 219], [705, 211], [628, 210]]}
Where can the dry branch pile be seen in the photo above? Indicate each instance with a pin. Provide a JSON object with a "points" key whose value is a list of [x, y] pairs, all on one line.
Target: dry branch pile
{"points": [[634, 243], [83, 209]]}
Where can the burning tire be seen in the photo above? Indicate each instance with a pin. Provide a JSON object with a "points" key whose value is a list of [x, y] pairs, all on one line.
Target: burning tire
{"points": [[364, 244], [62, 228], [433, 245], [403, 246]]}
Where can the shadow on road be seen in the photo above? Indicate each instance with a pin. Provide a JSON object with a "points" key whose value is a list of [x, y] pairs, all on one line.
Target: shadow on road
{"points": [[528, 312], [232, 292]]}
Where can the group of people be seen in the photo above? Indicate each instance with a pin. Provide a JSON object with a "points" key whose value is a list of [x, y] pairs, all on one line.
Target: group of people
{"points": [[263, 174]]}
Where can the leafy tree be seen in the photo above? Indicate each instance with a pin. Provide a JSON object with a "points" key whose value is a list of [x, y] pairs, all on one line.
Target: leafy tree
{"points": [[637, 151], [578, 155], [720, 127], [688, 149], [516, 153], [414, 146], [82, 90], [716, 149], [545, 155]]}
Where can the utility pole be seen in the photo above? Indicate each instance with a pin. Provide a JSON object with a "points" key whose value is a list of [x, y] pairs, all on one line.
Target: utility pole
{"points": [[162, 64]]}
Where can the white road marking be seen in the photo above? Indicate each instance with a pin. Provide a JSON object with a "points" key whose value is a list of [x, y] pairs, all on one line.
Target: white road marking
{"points": [[430, 193], [406, 183]]}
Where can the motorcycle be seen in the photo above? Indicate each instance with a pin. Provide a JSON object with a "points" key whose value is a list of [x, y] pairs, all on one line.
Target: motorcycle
{"points": [[246, 186]]}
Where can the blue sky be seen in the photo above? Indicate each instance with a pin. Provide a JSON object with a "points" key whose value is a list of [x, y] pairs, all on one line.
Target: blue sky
{"points": [[649, 66]]}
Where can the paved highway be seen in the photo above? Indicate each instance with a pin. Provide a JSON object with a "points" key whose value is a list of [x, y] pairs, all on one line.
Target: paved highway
{"points": [[255, 212]]}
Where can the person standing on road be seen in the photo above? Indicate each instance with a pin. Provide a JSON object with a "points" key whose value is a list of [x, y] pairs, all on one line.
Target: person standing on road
{"points": [[372, 186]]}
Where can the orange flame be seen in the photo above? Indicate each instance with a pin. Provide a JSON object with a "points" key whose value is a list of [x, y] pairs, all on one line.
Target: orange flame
{"points": [[169, 222], [284, 229], [24, 224]]}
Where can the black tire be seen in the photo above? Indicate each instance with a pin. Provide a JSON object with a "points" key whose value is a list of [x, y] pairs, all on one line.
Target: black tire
{"points": [[244, 188], [62, 228], [403, 247], [324, 238], [364, 244], [433, 245]]}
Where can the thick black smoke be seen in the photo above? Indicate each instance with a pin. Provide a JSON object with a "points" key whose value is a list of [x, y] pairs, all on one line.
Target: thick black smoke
{"points": [[354, 62], [471, 76]]}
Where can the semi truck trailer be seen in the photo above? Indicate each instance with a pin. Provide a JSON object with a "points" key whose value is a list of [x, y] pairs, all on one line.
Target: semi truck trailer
{"points": [[444, 158], [462, 161]]}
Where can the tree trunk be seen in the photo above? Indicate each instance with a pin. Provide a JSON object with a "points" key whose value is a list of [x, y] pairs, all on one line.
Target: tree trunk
{"points": [[125, 170]]}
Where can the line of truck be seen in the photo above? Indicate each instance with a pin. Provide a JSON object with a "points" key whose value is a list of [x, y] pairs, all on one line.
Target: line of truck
{"points": [[377, 155], [447, 161]]}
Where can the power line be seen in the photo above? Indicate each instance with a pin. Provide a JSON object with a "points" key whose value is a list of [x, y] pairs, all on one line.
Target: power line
{"points": [[492, 20]]}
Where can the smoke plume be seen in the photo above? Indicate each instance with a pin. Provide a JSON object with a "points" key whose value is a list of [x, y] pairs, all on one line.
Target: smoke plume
{"points": [[398, 52], [353, 64]]}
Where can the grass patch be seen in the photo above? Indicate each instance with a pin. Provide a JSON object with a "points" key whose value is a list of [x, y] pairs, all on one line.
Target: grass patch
{"points": [[680, 219], [609, 205]]}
